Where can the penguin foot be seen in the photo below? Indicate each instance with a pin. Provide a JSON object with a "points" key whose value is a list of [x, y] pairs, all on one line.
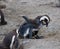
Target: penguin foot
{"points": [[39, 37], [3, 23]]}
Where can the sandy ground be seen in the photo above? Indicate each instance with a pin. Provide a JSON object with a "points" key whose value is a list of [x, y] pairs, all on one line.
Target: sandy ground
{"points": [[33, 8]]}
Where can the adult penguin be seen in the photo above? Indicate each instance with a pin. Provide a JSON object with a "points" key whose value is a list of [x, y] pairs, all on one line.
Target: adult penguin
{"points": [[31, 27], [2, 19]]}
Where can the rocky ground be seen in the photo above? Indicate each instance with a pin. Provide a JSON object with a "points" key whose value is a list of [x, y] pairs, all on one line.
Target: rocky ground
{"points": [[33, 8]]}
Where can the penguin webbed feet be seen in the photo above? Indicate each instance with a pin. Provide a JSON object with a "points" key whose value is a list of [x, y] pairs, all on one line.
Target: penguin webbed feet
{"points": [[38, 37], [3, 23]]}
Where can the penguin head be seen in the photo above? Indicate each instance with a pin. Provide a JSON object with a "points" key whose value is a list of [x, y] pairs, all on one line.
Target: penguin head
{"points": [[44, 19]]}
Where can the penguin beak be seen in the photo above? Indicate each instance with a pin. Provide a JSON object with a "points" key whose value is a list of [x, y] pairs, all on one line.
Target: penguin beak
{"points": [[46, 24]]}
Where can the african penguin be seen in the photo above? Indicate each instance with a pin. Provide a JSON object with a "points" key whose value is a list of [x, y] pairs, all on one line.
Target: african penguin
{"points": [[11, 39], [31, 27], [2, 19]]}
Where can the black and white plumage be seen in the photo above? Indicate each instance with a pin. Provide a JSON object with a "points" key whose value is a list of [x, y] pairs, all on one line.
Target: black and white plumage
{"points": [[2, 19], [41, 21], [27, 30], [44, 19], [32, 26], [11, 40]]}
